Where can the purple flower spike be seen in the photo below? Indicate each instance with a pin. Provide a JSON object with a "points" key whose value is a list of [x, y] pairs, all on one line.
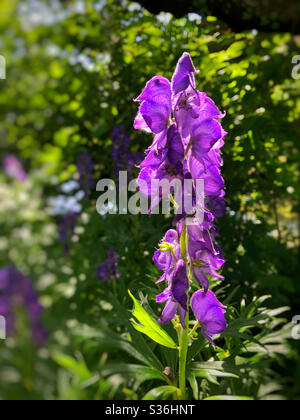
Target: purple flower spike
{"points": [[210, 313], [186, 147], [103, 272]]}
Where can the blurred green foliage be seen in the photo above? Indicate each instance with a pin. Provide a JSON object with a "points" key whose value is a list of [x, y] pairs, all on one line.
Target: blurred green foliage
{"points": [[73, 70]]}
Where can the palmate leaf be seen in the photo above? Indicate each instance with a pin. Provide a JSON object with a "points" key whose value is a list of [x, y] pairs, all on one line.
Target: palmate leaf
{"points": [[254, 305], [212, 375], [239, 336], [248, 323], [161, 393], [210, 371], [150, 327], [141, 346], [139, 372], [215, 369], [109, 341]]}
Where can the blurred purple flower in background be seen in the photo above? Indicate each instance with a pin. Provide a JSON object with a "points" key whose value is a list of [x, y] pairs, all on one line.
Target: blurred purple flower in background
{"points": [[14, 168], [108, 271], [66, 229], [122, 156], [85, 167], [16, 290]]}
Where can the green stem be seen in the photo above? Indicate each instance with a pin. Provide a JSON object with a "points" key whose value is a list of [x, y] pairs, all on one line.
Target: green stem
{"points": [[183, 349], [197, 325], [184, 332]]}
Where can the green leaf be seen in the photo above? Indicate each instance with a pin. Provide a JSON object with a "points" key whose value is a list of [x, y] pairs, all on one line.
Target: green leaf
{"points": [[228, 398], [236, 49], [160, 393], [150, 327], [194, 385], [77, 367]]}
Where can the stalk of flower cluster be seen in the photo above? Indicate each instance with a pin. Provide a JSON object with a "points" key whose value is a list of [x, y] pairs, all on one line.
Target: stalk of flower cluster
{"points": [[183, 335], [187, 146]]}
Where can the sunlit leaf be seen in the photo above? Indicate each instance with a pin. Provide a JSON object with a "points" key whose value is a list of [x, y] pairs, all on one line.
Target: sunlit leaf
{"points": [[150, 327]]}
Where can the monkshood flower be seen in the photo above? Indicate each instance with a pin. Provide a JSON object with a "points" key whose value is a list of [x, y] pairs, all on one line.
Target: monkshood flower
{"points": [[188, 139], [16, 290], [155, 110], [85, 167], [109, 271], [175, 295], [165, 259], [209, 313], [123, 157], [14, 168]]}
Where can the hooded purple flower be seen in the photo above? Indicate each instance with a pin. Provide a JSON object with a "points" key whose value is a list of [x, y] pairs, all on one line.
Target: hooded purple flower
{"points": [[184, 74], [192, 108], [175, 295], [13, 168], [210, 313], [155, 110], [109, 270], [16, 290], [166, 260]]}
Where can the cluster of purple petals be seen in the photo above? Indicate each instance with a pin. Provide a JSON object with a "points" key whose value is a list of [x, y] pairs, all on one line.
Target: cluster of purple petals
{"points": [[16, 290], [123, 158], [14, 168], [66, 229], [108, 271], [85, 168], [188, 139]]}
